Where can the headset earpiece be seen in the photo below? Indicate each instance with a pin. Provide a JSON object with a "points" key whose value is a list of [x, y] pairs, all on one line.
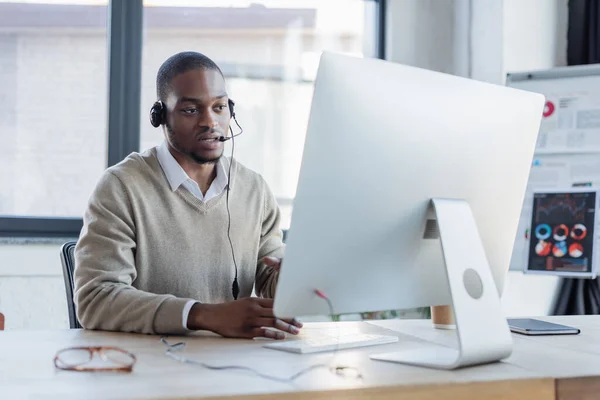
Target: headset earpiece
{"points": [[231, 110], [157, 114]]}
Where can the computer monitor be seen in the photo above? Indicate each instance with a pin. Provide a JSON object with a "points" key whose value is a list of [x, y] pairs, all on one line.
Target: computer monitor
{"points": [[383, 140]]}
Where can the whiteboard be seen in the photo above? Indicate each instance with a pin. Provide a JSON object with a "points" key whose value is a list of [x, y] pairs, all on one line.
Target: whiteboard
{"points": [[567, 152]]}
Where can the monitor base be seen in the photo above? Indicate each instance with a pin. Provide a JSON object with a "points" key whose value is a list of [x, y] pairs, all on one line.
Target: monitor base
{"points": [[482, 331]]}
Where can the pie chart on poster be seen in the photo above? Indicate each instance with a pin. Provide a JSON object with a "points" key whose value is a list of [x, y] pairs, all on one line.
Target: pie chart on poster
{"points": [[548, 109], [576, 250], [561, 232], [579, 231], [542, 248], [559, 249], [543, 231]]}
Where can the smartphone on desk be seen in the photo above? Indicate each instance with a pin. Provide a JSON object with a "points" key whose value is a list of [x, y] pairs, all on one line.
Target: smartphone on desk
{"points": [[531, 327]]}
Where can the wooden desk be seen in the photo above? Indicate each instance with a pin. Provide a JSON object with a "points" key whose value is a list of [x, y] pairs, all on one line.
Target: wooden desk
{"points": [[562, 367]]}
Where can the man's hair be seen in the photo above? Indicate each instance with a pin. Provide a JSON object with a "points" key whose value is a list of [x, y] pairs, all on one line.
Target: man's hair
{"points": [[177, 65]]}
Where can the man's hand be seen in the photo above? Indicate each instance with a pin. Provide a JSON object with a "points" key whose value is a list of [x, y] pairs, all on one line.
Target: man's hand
{"points": [[273, 262], [245, 318]]}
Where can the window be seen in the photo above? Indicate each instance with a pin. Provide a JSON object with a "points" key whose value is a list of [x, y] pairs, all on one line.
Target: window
{"points": [[55, 86], [269, 52], [53, 73]]}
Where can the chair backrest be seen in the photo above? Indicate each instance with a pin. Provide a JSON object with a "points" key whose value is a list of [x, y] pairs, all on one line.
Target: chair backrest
{"points": [[68, 265]]}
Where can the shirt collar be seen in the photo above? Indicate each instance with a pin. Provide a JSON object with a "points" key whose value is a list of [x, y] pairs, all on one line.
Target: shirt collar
{"points": [[220, 181], [176, 175]]}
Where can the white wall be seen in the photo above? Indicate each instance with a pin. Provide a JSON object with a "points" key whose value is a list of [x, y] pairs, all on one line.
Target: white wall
{"points": [[424, 33], [535, 34], [32, 292], [528, 295]]}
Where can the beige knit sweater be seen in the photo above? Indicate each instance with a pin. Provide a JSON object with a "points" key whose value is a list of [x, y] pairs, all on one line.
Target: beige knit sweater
{"points": [[144, 250]]}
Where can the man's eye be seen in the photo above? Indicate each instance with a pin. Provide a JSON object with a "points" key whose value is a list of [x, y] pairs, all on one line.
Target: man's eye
{"points": [[221, 107], [190, 111]]}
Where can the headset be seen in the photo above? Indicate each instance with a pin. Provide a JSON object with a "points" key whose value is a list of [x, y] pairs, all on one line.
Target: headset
{"points": [[158, 116]]}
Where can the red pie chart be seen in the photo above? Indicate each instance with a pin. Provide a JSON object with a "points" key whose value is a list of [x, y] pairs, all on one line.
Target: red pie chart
{"points": [[576, 250], [548, 109]]}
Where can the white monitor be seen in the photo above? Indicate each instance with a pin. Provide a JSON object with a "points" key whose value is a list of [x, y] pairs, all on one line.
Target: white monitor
{"points": [[383, 140]]}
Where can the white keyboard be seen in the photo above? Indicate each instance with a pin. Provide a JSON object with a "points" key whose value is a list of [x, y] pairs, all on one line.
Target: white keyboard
{"points": [[331, 343]]}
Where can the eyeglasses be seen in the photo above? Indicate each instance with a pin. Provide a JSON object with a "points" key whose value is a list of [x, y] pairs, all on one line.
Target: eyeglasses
{"points": [[82, 359]]}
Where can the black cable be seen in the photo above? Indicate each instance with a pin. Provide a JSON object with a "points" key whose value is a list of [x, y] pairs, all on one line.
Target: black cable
{"points": [[235, 287], [239, 133]]}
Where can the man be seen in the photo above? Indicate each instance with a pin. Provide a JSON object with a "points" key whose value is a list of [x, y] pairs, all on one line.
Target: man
{"points": [[154, 253]]}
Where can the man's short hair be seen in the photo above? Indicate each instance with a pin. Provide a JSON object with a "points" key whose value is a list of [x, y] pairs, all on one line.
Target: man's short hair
{"points": [[179, 64]]}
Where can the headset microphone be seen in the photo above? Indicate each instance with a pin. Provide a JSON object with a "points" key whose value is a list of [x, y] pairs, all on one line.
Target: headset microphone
{"points": [[226, 138]]}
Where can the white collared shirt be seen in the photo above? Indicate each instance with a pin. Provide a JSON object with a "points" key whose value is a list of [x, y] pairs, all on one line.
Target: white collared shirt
{"points": [[178, 177]]}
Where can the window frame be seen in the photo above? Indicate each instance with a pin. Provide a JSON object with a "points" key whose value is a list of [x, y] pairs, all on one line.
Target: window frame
{"points": [[124, 33]]}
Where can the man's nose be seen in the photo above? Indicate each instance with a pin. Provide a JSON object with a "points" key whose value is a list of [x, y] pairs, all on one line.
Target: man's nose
{"points": [[210, 120]]}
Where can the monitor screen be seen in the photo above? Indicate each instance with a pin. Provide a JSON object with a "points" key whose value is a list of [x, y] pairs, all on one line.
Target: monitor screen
{"points": [[562, 233]]}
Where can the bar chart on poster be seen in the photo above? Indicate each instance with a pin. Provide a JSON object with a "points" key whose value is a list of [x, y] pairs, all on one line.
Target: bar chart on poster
{"points": [[566, 161]]}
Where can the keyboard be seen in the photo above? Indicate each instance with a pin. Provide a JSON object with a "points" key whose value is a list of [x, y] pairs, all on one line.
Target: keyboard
{"points": [[330, 343]]}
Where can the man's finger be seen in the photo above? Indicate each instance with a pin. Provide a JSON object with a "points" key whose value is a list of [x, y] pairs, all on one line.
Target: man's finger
{"points": [[265, 303], [286, 327], [277, 324], [267, 333], [294, 322], [267, 311]]}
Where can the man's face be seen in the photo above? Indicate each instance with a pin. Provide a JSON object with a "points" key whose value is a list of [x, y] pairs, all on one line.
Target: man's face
{"points": [[197, 114]]}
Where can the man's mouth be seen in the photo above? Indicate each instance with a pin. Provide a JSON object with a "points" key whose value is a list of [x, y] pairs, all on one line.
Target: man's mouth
{"points": [[210, 139]]}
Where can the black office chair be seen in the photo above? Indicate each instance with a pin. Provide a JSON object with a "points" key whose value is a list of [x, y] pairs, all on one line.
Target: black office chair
{"points": [[68, 264]]}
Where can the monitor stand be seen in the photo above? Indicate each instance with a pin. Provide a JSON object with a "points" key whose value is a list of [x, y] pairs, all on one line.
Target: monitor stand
{"points": [[482, 331]]}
